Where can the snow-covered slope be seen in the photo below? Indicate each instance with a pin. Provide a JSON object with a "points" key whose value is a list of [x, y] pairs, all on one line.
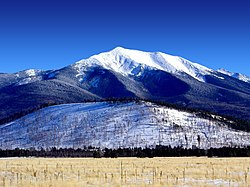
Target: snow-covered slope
{"points": [[235, 75], [134, 62], [117, 125]]}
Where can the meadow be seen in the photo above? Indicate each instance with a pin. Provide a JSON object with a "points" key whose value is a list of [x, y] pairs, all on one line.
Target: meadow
{"points": [[172, 171]]}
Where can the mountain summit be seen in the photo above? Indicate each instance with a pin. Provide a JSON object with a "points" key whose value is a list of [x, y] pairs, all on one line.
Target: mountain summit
{"points": [[134, 62]]}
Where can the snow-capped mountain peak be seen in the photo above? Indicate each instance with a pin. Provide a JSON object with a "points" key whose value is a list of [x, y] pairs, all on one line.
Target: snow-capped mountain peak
{"points": [[29, 73], [134, 62], [28, 76]]}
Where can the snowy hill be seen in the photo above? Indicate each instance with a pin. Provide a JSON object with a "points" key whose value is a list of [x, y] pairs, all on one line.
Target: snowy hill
{"points": [[115, 125]]}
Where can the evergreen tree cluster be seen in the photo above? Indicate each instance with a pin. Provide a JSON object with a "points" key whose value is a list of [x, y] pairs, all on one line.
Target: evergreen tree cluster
{"points": [[27, 111]]}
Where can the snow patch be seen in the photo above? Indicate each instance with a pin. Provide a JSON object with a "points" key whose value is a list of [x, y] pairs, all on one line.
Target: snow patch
{"points": [[31, 72], [222, 78], [29, 80]]}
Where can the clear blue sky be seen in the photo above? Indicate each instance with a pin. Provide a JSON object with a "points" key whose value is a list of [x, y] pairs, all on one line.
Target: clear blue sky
{"points": [[46, 34]]}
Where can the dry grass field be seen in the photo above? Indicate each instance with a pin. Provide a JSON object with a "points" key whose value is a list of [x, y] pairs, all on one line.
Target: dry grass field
{"points": [[66, 172]]}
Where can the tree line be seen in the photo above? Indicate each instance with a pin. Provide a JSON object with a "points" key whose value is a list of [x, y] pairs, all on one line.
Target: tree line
{"points": [[158, 151]]}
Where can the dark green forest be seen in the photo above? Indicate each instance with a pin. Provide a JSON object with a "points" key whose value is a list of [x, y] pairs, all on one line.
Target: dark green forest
{"points": [[158, 151]]}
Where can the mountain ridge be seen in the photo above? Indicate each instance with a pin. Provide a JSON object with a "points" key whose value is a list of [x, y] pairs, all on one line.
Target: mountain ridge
{"points": [[119, 52], [126, 73], [239, 76]]}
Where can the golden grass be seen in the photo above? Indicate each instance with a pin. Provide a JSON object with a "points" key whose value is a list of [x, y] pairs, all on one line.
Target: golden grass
{"points": [[65, 172]]}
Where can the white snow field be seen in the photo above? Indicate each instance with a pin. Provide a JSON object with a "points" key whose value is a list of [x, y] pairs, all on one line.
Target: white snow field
{"points": [[113, 125]]}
